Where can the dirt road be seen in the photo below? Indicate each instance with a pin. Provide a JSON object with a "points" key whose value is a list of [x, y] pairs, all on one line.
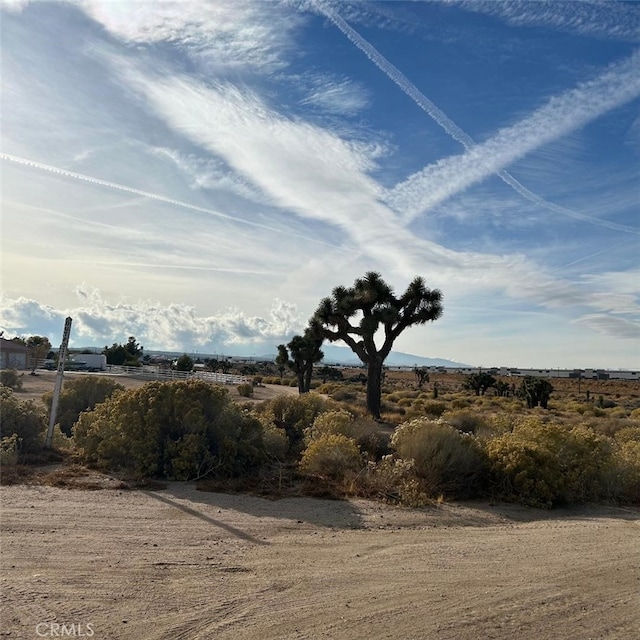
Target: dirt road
{"points": [[180, 563]]}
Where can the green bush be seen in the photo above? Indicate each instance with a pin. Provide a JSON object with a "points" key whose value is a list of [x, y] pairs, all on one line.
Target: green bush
{"points": [[338, 421], [245, 390], [23, 418], [332, 455], [78, 395], [11, 378], [293, 414], [445, 461], [433, 409], [464, 421], [545, 464], [182, 430], [626, 471], [9, 450]]}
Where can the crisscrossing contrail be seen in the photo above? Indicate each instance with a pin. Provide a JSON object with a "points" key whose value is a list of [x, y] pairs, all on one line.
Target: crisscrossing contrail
{"points": [[446, 123]]}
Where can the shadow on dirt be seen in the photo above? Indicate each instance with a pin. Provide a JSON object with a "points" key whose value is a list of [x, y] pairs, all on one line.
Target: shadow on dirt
{"points": [[339, 514]]}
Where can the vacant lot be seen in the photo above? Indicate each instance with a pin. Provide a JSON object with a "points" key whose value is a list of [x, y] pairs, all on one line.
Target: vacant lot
{"points": [[181, 563]]}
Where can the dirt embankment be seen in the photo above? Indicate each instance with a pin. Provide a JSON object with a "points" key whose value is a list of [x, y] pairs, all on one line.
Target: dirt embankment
{"points": [[181, 563]]}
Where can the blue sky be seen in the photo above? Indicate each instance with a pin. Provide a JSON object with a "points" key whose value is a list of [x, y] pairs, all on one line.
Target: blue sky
{"points": [[200, 174]]}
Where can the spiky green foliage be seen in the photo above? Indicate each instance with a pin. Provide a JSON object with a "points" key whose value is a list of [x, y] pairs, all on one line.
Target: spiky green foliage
{"points": [[355, 314]]}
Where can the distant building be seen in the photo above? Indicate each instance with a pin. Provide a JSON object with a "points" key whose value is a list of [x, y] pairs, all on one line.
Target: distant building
{"points": [[13, 355]]}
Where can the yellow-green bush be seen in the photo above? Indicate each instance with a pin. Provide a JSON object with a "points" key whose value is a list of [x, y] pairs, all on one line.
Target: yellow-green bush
{"points": [[78, 395], [545, 464], [464, 421], [245, 390], [181, 430], [293, 414], [11, 378], [626, 470], [23, 418], [332, 455], [445, 461], [331, 422], [392, 480]]}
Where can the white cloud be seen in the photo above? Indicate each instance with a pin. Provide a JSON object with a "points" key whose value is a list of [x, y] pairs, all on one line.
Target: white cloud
{"points": [[220, 35], [97, 321], [612, 326], [339, 96]]}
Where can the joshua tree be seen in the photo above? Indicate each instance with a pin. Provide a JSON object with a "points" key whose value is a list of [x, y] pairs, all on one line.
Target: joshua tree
{"points": [[305, 352], [479, 382], [355, 314], [422, 376], [536, 391]]}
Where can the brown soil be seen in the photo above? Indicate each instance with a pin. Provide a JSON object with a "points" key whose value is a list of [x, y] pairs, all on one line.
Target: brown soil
{"points": [[182, 563]]}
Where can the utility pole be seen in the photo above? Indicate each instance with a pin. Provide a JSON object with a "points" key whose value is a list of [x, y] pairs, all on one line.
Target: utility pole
{"points": [[62, 356]]}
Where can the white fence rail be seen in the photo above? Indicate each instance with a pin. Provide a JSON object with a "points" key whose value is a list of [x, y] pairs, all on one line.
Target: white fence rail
{"points": [[156, 373]]}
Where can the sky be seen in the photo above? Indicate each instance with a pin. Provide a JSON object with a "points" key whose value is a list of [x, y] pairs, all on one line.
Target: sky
{"points": [[200, 175]]}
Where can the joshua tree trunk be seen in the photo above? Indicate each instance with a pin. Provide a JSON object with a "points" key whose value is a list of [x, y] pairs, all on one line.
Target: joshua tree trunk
{"points": [[374, 390]]}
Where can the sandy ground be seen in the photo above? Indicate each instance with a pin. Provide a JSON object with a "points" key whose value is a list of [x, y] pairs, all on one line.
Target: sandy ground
{"points": [[179, 563]]}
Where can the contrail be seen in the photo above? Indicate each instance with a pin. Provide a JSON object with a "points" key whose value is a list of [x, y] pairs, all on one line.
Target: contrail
{"points": [[146, 194], [452, 129]]}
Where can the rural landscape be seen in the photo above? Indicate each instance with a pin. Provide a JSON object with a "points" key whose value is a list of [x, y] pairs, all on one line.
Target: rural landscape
{"points": [[281, 507], [320, 319]]}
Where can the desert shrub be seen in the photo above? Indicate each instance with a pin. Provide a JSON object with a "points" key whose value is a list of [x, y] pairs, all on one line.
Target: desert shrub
{"points": [[182, 430], [332, 455], [464, 421], [293, 414], [276, 443], [434, 409], [78, 395], [245, 390], [392, 480], [343, 395], [405, 402], [635, 414], [626, 470], [363, 430], [293, 383], [9, 450], [23, 418], [460, 403], [328, 388], [337, 421], [629, 433], [445, 461], [545, 464], [257, 381], [11, 378]]}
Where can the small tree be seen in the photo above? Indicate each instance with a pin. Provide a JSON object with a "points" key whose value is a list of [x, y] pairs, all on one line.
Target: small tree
{"points": [[372, 305], [422, 376], [184, 363], [479, 382], [38, 347]]}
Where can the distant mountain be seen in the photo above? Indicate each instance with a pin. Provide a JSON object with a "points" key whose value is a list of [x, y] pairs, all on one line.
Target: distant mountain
{"points": [[344, 356]]}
